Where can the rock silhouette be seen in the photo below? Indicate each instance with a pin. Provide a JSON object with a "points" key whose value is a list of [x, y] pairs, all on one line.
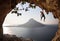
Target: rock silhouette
{"points": [[7, 37]]}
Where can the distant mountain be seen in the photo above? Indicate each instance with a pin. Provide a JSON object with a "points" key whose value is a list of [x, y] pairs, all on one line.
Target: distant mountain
{"points": [[31, 23]]}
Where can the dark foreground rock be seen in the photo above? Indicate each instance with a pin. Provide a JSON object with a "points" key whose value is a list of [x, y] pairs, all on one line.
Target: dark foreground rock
{"points": [[8, 37]]}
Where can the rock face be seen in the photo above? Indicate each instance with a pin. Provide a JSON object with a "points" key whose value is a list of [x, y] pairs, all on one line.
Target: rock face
{"points": [[57, 36], [58, 39], [5, 8], [8, 37]]}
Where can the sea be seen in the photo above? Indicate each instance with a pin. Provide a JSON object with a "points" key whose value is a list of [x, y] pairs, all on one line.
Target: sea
{"points": [[45, 33]]}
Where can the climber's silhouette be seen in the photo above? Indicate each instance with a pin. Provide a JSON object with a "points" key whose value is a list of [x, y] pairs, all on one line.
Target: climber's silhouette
{"points": [[42, 15]]}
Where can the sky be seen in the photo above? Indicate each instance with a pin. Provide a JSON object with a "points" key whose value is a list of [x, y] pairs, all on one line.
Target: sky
{"points": [[13, 19]]}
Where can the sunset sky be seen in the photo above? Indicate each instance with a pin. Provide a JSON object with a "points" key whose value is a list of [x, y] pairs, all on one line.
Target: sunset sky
{"points": [[13, 19]]}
